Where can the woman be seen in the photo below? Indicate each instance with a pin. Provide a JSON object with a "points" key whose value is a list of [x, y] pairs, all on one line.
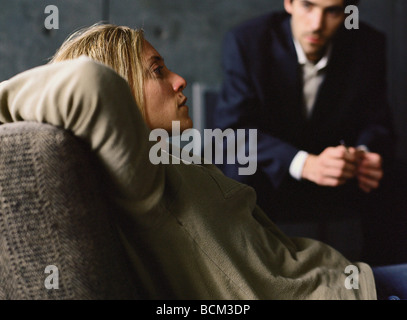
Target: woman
{"points": [[190, 232], [125, 50]]}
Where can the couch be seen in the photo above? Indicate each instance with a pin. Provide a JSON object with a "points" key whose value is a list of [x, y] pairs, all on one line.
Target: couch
{"points": [[58, 238]]}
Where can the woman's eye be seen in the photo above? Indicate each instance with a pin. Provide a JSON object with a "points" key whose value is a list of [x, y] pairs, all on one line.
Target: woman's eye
{"points": [[158, 70]]}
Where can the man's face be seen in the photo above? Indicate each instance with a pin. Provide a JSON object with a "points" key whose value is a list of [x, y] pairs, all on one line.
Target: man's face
{"points": [[314, 23]]}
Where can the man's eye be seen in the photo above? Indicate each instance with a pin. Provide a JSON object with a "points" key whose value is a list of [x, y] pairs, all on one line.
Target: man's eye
{"points": [[306, 5], [335, 11]]}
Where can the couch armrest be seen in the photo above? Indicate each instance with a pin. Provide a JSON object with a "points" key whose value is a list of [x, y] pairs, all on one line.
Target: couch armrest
{"points": [[54, 211]]}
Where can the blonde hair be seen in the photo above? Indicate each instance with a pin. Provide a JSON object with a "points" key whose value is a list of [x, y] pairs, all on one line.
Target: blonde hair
{"points": [[118, 47]]}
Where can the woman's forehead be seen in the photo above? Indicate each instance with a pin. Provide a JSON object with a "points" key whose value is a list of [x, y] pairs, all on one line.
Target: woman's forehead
{"points": [[150, 53]]}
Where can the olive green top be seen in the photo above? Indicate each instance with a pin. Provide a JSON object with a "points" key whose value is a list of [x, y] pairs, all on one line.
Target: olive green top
{"points": [[190, 232]]}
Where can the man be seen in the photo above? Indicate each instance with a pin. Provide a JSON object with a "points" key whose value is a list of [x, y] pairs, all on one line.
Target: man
{"points": [[316, 93]]}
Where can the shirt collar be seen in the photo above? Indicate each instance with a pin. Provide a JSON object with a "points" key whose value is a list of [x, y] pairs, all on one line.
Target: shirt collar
{"points": [[302, 59]]}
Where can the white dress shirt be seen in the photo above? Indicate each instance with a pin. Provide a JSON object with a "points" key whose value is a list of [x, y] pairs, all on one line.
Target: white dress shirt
{"points": [[313, 76]]}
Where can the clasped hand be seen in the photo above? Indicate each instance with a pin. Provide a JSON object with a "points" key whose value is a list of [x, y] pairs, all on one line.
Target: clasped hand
{"points": [[337, 165]]}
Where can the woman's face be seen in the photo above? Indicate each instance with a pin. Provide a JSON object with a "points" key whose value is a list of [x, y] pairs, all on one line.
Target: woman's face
{"points": [[164, 100]]}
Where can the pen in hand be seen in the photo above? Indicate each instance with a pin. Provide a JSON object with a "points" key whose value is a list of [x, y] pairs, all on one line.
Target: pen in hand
{"points": [[342, 142], [360, 151]]}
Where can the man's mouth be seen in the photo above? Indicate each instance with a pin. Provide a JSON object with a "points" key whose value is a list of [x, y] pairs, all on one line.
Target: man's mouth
{"points": [[314, 39]]}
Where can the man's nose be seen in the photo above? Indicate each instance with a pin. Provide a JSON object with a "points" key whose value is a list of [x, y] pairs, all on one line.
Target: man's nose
{"points": [[317, 20]]}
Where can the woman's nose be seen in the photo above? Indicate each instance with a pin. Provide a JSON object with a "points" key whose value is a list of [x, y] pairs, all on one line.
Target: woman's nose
{"points": [[179, 83]]}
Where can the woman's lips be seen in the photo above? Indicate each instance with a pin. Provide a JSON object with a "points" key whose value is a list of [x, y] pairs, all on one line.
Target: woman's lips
{"points": [[183, 102]]}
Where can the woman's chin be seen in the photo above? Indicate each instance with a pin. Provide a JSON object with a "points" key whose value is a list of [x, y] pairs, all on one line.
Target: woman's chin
{"points": [[186, 124]]}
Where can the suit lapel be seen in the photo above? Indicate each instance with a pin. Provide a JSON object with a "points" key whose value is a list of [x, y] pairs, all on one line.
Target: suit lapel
{"points": [[337, 87], [288, 72]]}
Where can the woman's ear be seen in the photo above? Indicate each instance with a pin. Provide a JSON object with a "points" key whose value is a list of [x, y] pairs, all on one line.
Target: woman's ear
{"points": [[288, 6]]}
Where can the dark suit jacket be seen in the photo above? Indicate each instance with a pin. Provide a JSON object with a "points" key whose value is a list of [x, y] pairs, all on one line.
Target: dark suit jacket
{"points": [[262, 89]]}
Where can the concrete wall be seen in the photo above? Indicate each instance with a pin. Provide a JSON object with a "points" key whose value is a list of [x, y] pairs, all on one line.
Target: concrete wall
{"points": [[187, 33]]}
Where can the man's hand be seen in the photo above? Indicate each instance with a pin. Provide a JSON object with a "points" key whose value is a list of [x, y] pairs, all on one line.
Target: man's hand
{"points": [[369, 171], [334, 166]]}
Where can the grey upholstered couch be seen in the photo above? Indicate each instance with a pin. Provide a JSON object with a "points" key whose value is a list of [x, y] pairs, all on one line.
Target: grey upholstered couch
{"points": [[54, 211]]}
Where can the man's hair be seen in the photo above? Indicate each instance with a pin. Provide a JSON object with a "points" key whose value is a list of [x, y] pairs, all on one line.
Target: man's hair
{"points": [[352, 2], [118, 47], [347, 2]]}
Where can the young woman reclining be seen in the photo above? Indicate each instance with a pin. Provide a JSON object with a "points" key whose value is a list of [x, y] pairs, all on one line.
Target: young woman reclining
{"points": [[190, 232]]}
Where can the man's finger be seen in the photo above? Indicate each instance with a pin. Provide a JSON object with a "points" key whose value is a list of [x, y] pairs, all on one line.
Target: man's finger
{"points": [[370, 174], [367, 182], [340, 166]]}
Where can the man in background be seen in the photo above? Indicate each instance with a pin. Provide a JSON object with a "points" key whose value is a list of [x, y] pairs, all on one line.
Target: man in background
{"points": [[316, 93]]}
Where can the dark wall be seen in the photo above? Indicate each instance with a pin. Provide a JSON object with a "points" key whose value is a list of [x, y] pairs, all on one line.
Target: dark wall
{"points": [[187, 33]]}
